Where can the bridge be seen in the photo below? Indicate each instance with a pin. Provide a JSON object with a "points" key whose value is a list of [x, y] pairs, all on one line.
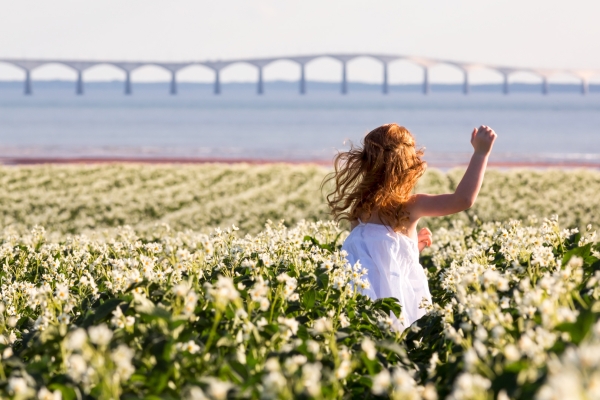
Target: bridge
{"points": [[128, 67]]}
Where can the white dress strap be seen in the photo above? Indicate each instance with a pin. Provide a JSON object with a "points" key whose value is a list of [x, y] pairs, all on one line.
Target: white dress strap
{"points": [[360, 222]]}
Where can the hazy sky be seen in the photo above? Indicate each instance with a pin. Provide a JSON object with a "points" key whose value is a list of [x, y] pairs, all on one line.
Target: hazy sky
{"points": [[541, 33]]}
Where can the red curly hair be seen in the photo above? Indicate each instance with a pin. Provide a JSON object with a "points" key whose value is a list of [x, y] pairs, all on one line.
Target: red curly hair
{"points": [[381, 174]]}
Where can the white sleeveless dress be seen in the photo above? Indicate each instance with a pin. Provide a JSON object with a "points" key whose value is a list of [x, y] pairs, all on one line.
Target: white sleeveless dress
{"points": [[392, 262]]}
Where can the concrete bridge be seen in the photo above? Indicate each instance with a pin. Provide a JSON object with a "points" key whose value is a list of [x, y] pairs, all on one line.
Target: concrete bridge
{"points": [[128, 67]]}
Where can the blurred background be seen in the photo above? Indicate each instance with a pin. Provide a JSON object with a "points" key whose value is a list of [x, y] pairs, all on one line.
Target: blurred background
{"points": [[544, 119]]}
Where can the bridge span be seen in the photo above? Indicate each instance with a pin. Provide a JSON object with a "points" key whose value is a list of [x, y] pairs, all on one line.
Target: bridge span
{"points": [[128, 67]]}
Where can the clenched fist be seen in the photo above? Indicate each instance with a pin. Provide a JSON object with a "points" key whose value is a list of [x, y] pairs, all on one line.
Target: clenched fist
{"points": [[483, 139], [424, 238]]}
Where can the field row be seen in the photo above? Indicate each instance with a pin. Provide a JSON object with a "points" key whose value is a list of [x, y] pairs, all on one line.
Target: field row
{"points": [[75, 199]]}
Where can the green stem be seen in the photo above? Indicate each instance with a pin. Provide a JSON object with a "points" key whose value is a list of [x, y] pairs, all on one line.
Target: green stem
{"points": [[212, 333], [273, 308]]}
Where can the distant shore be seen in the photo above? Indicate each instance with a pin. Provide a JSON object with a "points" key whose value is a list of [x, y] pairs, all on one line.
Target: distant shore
{"points": [[291, 86], [443, 164]]}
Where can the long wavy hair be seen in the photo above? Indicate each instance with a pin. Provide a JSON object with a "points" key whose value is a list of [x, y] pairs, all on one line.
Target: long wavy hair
{"points": [[378, 175]]}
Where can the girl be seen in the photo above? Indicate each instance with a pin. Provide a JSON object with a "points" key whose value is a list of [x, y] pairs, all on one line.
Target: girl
{"points": [[373, 190]]}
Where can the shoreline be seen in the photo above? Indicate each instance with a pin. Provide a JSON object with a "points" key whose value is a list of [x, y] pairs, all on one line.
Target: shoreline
{"points": [[442, 164]]}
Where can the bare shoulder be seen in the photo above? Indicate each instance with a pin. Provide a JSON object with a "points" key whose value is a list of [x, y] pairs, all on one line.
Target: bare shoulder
{"points": [[412, 205]]}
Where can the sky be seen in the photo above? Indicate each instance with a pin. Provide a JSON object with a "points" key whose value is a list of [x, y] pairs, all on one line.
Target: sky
{"points": [[524, 33]]}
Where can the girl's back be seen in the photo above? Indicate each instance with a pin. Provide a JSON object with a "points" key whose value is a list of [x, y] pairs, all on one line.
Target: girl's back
{"points": [[393, 270]]}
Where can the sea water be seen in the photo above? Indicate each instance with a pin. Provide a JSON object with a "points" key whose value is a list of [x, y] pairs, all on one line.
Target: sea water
{"points": [[281, 124]]}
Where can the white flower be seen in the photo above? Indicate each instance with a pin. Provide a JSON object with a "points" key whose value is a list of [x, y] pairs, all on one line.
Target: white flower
{"points": [[343, 370], [195, 393], [191, 299], [76, 339], [402, 381], [264, 304], [292, 363], [61, 292], [17, 386], [76, 367], [575, 262], [381, 382], [262, 322], [181, 289], [100, 335], [218, 389], [223, 292], [273, 382], [190, 347], [502, 395], [290, 323], [272, 364], [311, 378], [468, 386], [312, 346], [129, 321], [368, 346], [344, 321], [64, 319], [122, 355], [7, 353], [45, 394], [322, 325], [294, 297], [429, 392]]}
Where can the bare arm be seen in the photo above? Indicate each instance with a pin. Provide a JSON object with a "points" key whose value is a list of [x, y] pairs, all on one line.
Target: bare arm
{"points": [[464, 196]]}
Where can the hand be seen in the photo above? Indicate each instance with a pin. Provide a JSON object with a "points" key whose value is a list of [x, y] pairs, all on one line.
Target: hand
{"points": [[424, 238], [483, 139]]}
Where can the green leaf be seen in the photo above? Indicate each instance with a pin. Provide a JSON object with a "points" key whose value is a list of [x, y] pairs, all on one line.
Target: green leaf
{"points": [[579, 329], [388, 304], [323, 281], [103, 311], [393, 347], [583, 252], [239, 368], [67, 392], [309, 298], [303, 332]]}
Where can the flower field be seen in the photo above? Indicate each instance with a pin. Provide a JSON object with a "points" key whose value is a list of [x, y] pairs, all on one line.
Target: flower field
{"points": [[156, 311], [76, 199]]}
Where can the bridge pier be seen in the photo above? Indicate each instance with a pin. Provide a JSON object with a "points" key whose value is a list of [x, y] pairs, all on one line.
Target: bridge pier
{"points": [[173, 90], [585, 86], [217, 89], [260, 88], [505, 86], [302, 79], [426, 88], [79, 85], [466, 87], [545, 85], [344, 78], [127, 83], [27, 82], [384, 89]]}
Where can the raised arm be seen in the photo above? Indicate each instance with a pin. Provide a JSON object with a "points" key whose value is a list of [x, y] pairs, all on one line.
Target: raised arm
{"points": [[464, 196]]}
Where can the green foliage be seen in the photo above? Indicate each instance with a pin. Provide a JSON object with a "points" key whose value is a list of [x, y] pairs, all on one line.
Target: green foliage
{"points": [[191, 313]]}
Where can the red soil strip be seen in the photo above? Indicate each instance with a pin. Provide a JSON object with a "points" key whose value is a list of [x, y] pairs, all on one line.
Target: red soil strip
{"points": [[159, 160]]}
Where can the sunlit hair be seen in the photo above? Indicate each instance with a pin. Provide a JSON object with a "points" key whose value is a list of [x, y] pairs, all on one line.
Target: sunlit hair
{"points": [[380, 174]]}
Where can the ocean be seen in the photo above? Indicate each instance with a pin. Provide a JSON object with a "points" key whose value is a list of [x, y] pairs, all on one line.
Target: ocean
{"points": [[283, 125]]}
